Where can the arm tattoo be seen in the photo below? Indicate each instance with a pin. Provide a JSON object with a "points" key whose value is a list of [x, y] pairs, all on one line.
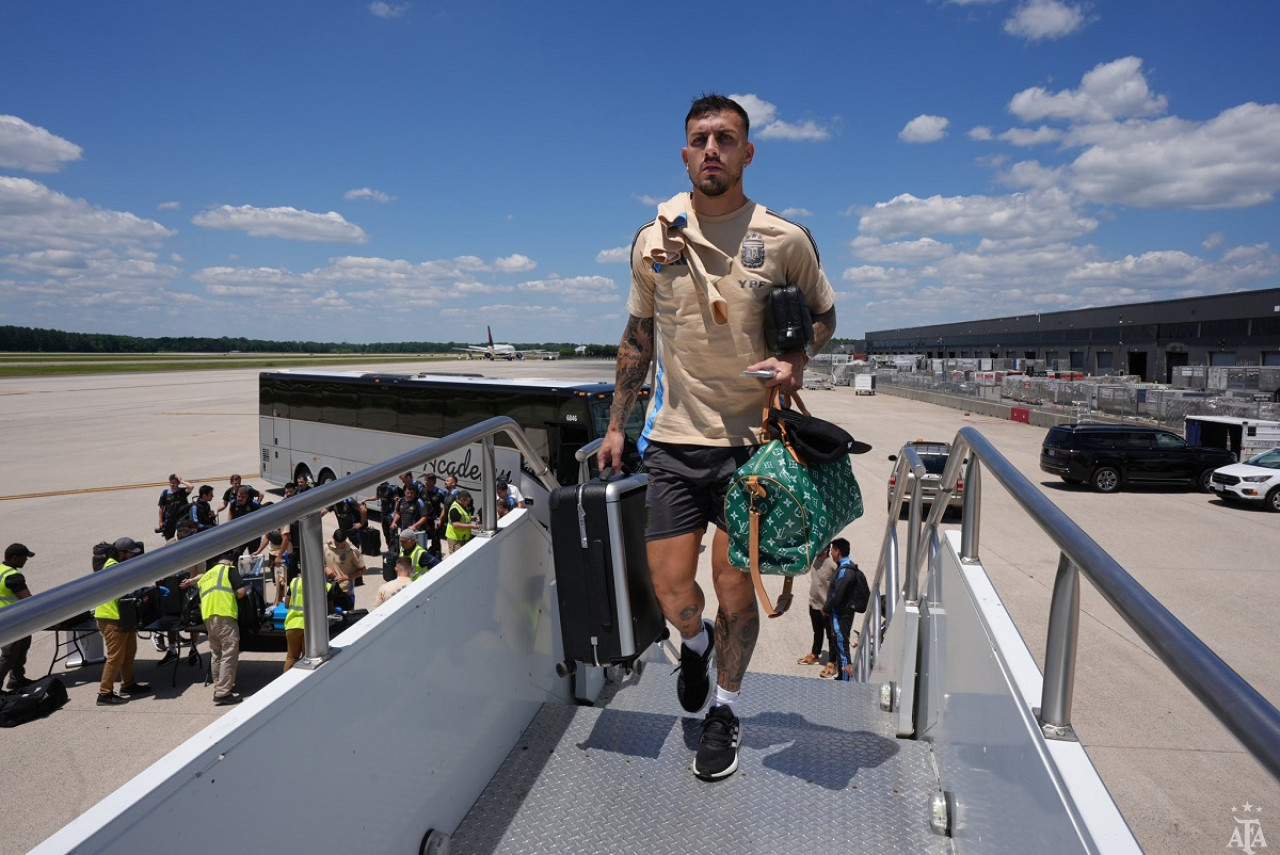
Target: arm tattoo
{"points": [[634, 355], [824, 327]]}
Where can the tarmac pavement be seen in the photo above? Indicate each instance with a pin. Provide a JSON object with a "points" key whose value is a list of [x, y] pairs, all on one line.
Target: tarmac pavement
{"points": [[85, 458]]}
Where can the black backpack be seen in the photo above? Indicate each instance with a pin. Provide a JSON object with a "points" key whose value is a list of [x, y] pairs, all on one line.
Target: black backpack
{"points": [[861, 593], [191, 615], [101, 552]]}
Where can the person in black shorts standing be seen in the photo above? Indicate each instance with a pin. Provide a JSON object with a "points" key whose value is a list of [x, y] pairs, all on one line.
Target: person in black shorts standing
{"points": [[699, 275]]}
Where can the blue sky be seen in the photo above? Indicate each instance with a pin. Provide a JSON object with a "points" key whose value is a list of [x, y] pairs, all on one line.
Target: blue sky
{"points": [[418, 170]]}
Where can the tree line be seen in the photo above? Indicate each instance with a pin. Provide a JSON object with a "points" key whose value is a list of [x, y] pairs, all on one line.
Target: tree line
{"points": [[37, 340]]}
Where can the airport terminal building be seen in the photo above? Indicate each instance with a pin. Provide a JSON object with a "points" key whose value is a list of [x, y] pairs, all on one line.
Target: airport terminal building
{"points": [[1148, 340]]}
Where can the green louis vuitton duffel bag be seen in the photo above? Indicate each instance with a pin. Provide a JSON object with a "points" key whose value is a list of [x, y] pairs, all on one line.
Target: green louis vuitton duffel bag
{"points": [[781, 512]]}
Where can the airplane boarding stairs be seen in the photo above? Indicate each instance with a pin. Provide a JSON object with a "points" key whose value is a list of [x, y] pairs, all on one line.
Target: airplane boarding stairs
{"points": [[439, 722], [820, 771]]}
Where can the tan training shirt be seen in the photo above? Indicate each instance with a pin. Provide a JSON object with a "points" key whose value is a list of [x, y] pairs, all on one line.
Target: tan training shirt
{"points": [[700, 396]]}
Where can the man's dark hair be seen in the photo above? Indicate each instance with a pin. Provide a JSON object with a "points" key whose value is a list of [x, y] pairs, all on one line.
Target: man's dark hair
{"points": [[339, 536], [710, 103], [841, 545]]}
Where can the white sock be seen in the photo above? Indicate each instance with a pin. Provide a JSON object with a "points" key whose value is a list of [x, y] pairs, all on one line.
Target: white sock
{"points": [[724, 698], [700, 642]]}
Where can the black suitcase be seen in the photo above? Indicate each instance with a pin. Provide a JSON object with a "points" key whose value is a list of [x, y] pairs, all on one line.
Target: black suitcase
{"points": [[35, 701], [389, 565], [608, 612], [140, 609], [370, 541]]}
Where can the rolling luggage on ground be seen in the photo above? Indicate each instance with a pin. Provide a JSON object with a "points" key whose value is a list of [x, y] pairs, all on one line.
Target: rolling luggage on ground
{"points": [[370, 541], [608, 612]]}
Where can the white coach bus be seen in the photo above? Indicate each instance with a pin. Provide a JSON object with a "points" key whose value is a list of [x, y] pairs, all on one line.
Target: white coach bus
{"points": [[324, 425]]}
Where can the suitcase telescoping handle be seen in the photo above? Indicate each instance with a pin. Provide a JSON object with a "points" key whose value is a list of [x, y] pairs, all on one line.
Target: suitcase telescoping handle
{"points": [[604, 477], [599, 585]]}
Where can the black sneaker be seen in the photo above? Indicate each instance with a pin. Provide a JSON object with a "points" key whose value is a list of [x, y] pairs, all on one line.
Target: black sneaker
{"points": [[693, 686], [17, 684], [135, 690], [718, 751], [111, 700], [169, 656], [158, 640], [226, 700], [193, 658]]}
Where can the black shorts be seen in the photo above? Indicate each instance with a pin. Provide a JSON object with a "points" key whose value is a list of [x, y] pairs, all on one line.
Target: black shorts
{"points": [[687, 485]]}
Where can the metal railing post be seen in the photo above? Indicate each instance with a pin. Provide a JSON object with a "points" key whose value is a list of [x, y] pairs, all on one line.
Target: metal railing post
{"points": [[315, 599], [488, 489], [1060, 652], [911, 591], [892, 577], [971, 511]]}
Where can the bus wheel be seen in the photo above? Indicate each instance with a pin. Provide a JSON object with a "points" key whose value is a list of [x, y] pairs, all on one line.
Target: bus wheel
{"points": [[326, 475], [303, 471]]}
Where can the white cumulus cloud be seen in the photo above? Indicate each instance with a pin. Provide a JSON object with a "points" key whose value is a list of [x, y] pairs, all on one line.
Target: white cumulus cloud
{"points": [[1035, 217], [368, 193], [1035, 20], [616, 255], [924, 129], [766, 125], [574, 289], [33, 149], [287, 223], [1110, 90], [1230, 161], [515, 263], [388, 10], [32, 216]]}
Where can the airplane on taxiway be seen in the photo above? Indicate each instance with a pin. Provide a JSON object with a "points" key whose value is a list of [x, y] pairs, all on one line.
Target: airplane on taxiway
{"points": [[502, 351]]}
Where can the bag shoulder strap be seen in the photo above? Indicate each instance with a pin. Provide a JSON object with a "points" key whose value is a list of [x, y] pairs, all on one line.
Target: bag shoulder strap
{"points": [[784, 599]]}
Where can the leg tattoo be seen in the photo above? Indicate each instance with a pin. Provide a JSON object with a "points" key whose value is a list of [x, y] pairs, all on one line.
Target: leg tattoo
{"points": [[735, 641]]}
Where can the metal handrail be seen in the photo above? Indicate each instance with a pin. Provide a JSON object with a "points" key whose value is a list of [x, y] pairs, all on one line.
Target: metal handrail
{"points": [[1239, 707], [65, 601]]}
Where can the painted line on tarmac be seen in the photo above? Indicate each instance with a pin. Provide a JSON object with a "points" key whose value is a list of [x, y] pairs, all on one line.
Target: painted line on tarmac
{"points": [[115, 488]]}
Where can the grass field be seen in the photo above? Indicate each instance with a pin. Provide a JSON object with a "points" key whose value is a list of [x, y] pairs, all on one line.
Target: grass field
{"points": [[45, 364]]}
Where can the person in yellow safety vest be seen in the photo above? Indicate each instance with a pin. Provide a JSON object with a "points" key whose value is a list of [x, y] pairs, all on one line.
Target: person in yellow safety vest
{"points": [[460, 527], [221, 589], [294, 622], [122, 646], [13, 587], [418, 556]]}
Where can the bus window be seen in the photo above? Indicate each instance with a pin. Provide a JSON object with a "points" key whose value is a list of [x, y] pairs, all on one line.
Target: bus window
{"points": [[273, 401], [374, 409], [338, 405], [306, 402], [417, 414], [635, 421]]}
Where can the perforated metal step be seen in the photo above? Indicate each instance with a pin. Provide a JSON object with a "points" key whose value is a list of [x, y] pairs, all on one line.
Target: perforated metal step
{"points": [[819, 772]]}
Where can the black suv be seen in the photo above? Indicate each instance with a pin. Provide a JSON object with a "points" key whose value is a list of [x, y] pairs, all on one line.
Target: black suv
{"points": [[1109, 456]]}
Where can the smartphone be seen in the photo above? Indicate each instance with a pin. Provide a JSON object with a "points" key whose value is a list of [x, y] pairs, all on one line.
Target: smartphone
{"points": [[766, 373]]}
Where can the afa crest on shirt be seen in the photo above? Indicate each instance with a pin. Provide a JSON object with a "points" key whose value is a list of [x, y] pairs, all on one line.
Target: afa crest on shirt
{"points": [[753, 251]]}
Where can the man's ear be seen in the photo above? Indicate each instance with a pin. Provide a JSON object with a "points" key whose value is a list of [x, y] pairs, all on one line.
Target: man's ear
{"points": [[751, 153]]}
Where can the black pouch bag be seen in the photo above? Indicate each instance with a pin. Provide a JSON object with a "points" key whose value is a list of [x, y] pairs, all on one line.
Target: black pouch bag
{"points": [[788, 326], [815, 440]]}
